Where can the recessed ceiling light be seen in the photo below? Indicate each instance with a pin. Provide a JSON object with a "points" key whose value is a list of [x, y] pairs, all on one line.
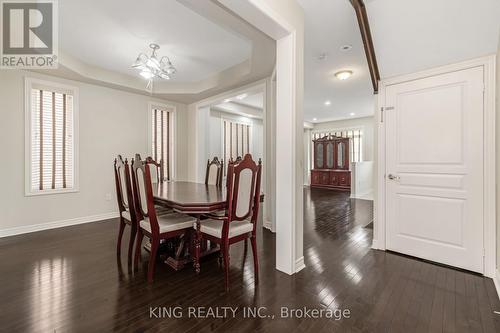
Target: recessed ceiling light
{"points": [[343, 75], [241, 96], [352, 114], [346, 47], [314, 119], [328, 103]]}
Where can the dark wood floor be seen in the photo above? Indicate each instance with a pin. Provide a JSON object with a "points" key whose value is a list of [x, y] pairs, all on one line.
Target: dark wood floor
{"points": [[68, 280]]}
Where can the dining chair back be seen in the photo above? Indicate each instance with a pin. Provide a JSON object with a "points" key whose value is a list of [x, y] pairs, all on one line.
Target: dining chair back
{"points": [[213, 175], [125, 201], [143, 191], [243, 189], [157, 174]]}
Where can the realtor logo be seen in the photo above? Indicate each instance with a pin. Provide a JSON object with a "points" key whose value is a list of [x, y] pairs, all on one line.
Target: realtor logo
{"points": [[29, 34]]}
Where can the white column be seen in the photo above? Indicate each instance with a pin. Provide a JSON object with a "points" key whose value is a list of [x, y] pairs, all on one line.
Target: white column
{"points": [[283, 20]]}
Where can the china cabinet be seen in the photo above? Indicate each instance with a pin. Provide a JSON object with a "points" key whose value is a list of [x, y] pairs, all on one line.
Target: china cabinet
{"points": [[331, 163]]}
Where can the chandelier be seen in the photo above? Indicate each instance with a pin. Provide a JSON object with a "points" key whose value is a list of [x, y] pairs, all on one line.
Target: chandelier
{"points": [[151, 68]]}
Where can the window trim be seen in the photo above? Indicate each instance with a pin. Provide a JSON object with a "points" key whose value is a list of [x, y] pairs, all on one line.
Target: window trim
{"points": [[173, 152], [28, 84]]}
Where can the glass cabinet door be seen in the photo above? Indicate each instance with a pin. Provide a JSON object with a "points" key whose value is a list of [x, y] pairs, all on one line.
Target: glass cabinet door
{"points": [[319, 155], [329, 155], [340, 155]]}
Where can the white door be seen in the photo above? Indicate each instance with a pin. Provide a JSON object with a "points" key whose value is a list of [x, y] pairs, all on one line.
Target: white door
{"points": [[434, 168]]}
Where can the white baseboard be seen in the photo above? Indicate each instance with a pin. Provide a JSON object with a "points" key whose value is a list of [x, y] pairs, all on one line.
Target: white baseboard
{"points": [[56, 224], [496, 280], [368, 195], [299, 264], [375, 244], [268, 225]]}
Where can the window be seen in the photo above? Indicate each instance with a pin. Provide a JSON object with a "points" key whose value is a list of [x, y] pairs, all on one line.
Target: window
{"points": [[355, 142], [236, 139], [161, 128], [51, 138]]}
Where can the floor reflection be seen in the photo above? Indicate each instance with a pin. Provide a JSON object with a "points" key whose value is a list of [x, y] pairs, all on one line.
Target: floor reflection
{"points": [[50, 290]]}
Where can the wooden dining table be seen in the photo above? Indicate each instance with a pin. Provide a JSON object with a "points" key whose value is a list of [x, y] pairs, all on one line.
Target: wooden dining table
{"points": [[194, 199]]}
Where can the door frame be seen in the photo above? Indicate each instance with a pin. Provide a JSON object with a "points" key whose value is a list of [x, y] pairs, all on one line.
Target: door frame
{"points": [[489, 237]]}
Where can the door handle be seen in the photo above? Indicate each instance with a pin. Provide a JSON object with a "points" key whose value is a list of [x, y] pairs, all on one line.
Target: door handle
{"points": [[392, 177]]}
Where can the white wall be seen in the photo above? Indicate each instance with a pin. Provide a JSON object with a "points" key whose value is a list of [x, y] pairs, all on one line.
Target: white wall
{"points": [[209, 136], [498, 156], [111, 122], [214, 134]]}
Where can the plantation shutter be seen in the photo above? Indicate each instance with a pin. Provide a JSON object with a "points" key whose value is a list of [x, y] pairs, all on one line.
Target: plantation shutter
{"points": [[52, 155], [236, 139], [160, 141]]}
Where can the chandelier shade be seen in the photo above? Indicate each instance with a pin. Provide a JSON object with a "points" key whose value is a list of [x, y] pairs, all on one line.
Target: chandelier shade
{"points": [[151, 68]]}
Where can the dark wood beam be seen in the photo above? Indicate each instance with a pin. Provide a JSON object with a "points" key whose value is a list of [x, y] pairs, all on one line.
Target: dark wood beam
{"points": [[364, 27]]}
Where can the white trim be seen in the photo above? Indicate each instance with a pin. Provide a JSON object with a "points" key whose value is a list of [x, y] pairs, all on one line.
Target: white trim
{"points": [[334, 119], [254, 87], [268, 225], [488, 63], [299, 264], [28, 83], [339, 129], [496, 281], [56, 224], [172, 109]]}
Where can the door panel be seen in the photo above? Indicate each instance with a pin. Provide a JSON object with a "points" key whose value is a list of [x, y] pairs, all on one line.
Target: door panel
{"points": [[434, 151]]}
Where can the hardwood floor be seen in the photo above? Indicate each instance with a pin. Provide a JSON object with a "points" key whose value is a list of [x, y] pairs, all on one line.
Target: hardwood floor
{"points": [[68, 280]]}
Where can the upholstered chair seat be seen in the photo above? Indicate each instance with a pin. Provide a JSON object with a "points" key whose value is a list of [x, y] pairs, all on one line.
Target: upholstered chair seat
{"points": [[126, 215], [214, 227], [169, 222]]}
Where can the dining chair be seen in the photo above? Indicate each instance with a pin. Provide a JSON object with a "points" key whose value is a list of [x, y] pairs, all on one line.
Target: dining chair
{"points": [[158, 176], [213, 175], [126, 206], [152, 225], [240, 218]]}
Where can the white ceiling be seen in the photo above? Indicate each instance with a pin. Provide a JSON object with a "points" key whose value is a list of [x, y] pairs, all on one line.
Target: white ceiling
{"points": [[110, 34], [252, 100], [414, 35], [329, 25], [252, 105]]}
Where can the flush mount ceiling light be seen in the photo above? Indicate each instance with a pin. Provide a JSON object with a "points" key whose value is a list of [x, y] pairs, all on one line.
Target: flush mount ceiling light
{"points": [[352, 114], [346, 47], [343, 75], [152, 68], [314, 119], [328, 103]]}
